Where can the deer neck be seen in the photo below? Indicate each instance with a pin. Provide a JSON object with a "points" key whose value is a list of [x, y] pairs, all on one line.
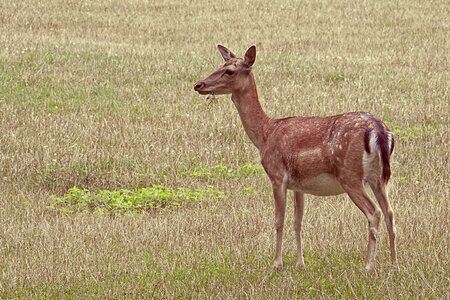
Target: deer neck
{"points": [[253, 118]]}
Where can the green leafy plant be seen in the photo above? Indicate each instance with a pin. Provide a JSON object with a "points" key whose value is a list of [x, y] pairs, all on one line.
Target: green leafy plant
{"points": [[249, 169], [124, 200]]}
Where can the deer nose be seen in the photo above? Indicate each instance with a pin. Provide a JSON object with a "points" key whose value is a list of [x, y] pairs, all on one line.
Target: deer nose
{"points": [[199, 85]]}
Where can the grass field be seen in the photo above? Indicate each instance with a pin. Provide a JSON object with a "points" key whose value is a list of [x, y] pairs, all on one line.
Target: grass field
{"points": [[99, 95]]}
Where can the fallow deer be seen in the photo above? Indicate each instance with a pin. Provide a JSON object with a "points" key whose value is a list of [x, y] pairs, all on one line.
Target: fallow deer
{"points": [[315, 155]]}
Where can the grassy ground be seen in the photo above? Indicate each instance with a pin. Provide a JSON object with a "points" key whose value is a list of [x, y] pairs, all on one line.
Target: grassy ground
{"points": [[99, 95]]}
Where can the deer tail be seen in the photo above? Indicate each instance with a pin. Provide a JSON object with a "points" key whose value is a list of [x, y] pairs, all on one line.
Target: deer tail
{"points": [[381, 141]]}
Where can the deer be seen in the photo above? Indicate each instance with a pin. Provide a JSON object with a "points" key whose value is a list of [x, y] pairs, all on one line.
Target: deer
{"points": [[317, 155]]}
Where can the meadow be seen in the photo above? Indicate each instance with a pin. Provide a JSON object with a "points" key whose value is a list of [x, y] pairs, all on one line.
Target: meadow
{"points": [[98, 96]]}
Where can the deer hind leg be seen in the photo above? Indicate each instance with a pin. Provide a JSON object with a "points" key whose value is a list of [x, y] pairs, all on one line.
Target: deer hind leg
{"points": [[298, 211], [379, 190], [279, 193], [359, 196]]}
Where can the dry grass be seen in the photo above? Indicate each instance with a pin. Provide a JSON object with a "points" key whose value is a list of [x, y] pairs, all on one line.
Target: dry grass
{"points": [[99, 95]]}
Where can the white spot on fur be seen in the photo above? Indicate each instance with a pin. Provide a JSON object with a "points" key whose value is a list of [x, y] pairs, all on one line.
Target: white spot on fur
{"points": [[308, 153]]}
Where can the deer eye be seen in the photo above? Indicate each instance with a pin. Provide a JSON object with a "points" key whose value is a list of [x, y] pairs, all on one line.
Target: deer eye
{"points": [[229, 72]]}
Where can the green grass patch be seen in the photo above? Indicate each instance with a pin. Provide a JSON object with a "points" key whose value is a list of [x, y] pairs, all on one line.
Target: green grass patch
{"points": [[126, 200], [413, 132], [223, 171], [35, 82]]}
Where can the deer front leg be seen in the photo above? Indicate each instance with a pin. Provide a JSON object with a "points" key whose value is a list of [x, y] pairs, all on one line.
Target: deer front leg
{"points": [[279, 194], [298, 211]]}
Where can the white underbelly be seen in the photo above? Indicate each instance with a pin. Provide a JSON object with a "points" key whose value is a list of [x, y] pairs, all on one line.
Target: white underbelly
{"points": [[321, 185]]}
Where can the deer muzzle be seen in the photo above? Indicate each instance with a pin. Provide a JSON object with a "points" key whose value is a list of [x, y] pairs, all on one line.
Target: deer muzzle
{"points": [[199, 85]]}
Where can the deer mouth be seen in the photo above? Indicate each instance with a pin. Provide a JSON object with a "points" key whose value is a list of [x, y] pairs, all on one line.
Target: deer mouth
{"points": [[205, 92]]}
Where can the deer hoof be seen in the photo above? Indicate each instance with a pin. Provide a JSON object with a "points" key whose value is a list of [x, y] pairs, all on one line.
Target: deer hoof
{"points": [[369, 267], [278, 265], [300, 265], [395, 267]]}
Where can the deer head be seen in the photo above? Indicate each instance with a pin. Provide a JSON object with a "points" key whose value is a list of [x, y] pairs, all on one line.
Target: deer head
{"points": [[229, 77]]}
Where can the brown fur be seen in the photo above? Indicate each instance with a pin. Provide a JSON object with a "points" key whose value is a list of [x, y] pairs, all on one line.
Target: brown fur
{"points": [[310, 154]]}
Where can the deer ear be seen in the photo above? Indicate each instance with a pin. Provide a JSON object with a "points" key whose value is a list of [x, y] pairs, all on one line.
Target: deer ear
{"points": [[226, 54], [250, 56]]}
